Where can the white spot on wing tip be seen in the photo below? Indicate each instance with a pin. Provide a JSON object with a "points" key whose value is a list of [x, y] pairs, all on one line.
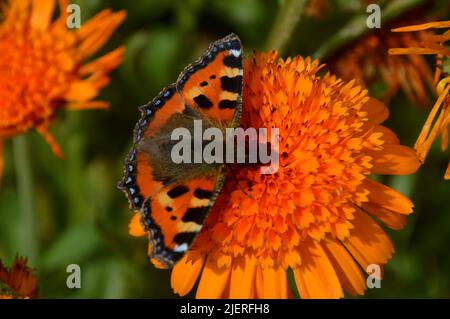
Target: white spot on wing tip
{"points": [[181, 248], [236, 53]]}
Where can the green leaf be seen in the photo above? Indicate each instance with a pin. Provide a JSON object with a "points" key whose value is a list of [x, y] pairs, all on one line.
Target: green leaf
{"points": [[73, 246]]}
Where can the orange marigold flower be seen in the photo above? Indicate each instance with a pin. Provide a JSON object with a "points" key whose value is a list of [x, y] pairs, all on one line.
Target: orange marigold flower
{"points": [[17, 282], [316, 214], [434, 44], [367, 61], [42, 65]]}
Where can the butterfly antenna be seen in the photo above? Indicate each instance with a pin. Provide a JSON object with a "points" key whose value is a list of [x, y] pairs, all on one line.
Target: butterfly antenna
{"points": [[237, 182]]}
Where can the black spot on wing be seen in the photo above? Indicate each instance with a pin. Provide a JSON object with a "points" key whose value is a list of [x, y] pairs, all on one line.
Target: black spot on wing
{"points": [[203, 193], [204, 83], [163, 254], [233, 84], [227, 104], [203, 101], [195, 214], [231, 42], [233, 61], [177, 191], [185, 237]]}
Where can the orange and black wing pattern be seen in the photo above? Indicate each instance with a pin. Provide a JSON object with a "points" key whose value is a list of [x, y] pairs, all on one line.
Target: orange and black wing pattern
{"points": [[213, 84], [139, 181], [174, 216], [173, 211]]}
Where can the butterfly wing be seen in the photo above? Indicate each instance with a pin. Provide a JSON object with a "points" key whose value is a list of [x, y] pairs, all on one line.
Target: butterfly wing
{"points": [[174, 216], [139, 180], [173, 210], [213, 84]]}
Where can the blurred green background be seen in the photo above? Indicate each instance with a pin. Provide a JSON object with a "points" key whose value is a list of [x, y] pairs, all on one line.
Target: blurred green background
{"points": [[79, 216]]}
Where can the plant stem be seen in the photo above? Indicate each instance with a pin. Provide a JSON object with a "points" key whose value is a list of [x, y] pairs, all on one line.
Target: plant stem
{"points": [[29, 244], [357, 27], [285, 23]]}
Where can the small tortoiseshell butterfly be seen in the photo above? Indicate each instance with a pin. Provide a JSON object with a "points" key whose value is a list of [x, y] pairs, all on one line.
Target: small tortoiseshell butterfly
{"points": [[174, 199]]}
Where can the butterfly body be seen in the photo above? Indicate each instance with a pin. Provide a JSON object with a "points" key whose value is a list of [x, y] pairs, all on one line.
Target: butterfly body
{"points": [[174, 198]]}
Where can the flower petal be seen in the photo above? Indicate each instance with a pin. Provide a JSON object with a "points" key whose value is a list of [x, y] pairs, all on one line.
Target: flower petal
{"points": [[426, 137], [20, 278], [19, 6], [394, 160], [316, 277], [271, 283], [50, 139], [402, 51], [389, 137], [368, 243], [346, 268], [87, 105], [81, 91], [213, 281], [377, 112], [387, 197], [105, 64], [63, 14], [423, 26], [185, 274], [101, 31], [42, 14], [242, 278], [391, 219]]}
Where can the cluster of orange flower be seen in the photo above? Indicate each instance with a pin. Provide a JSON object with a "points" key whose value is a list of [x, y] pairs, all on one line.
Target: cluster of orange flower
{"points": [[19, 281], [368, 60], [434, 44], [43, 69], [405, 67], [315, 216]]}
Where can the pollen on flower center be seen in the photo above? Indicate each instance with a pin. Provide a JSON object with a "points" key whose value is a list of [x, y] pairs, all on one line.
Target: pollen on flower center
{"points": [[322, 165]]}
